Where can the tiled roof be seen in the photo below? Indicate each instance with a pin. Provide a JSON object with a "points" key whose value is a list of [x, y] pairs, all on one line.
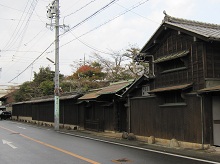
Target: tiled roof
{"points": [[210, 31], [49, 98], [111, 89], [177, 87], [91, 95], [201, 30], [5, 96], [115, 87]]}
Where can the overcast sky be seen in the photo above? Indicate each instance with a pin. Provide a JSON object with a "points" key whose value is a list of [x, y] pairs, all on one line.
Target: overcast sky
{"points": [[24, 35]]}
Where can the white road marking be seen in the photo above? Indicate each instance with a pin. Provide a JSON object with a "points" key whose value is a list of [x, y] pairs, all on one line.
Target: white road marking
{"points": [[21, 127], [9, 144]]}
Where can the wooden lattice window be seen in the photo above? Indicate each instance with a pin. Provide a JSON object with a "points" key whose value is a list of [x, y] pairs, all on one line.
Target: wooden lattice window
{"points": [[173, 65], [173, 98]]}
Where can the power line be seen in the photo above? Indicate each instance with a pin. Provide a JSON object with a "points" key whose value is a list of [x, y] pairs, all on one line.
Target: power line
{"points": [[22, 34], [19, 51], [34, 37], [22, 29], [70, 7], [90, 46], [133, 7], [14, 33], [20, 58], [12, 19], [78, 10], [33, 5], [32, 62], [15, 9], [11, 8], [95, 13], [138, 14]]}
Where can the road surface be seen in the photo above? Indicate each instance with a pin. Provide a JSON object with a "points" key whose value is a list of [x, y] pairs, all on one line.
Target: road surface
{"points": [[26, 144]]}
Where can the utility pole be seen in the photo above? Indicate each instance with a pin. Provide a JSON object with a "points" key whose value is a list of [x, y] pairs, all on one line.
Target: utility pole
{"points": [[0, 72], [53, 14], [57, 87]]}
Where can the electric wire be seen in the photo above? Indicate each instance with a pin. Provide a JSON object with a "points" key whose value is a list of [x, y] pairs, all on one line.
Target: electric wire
{"points": [[12, 19], [20, 58], [31, 63], [22, 34], [15, 9], [34, 37], [138, 14], [78, 9], [127, 10], [73, 4], [95, 49], [19, 51], [92, 15], [11, 8], [15, 31]]}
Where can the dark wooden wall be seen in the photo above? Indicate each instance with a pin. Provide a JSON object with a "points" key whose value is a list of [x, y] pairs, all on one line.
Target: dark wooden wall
{"points": [[195, 72], [212, 60], [69, 112], [105, 115], [122, 116], [44, 111], [22, 110], [182, 123], [81, 114], [98, 117], [208, 119], [109, 118]]}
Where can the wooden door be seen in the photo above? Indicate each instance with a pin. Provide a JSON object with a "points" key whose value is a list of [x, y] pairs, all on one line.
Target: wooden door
{"points": [[216, 119]]}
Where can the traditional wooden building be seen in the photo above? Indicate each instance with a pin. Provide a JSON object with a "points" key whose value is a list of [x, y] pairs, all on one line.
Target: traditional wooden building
{"points": [[7, 100], [104, 109], [184, 58]]}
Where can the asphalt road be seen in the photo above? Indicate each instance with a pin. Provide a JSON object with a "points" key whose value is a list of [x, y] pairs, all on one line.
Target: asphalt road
{"points": [[26, 144]]}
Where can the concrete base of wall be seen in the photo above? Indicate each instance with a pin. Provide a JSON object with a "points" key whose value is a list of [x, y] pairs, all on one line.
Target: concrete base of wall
{"points": [[46, 124], [150, 140], [172, 143], [22, 118]]}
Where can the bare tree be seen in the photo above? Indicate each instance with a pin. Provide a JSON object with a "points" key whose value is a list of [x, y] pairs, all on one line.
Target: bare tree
{"points": [[114, 66], [137, 69]]}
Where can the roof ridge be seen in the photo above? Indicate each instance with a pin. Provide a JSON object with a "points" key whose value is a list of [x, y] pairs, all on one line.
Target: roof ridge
{"points": [[168, 18], [121, 82]]}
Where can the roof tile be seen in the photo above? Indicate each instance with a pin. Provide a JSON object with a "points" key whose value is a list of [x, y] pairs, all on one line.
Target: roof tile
{"points": [[111, 89], [208, 30]]}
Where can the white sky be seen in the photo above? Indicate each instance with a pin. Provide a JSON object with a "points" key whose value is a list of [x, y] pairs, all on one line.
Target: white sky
{"points": [[24, 39]]}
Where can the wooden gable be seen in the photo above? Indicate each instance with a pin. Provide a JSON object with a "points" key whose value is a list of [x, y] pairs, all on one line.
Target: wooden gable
{"points": [[184, 52]]}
